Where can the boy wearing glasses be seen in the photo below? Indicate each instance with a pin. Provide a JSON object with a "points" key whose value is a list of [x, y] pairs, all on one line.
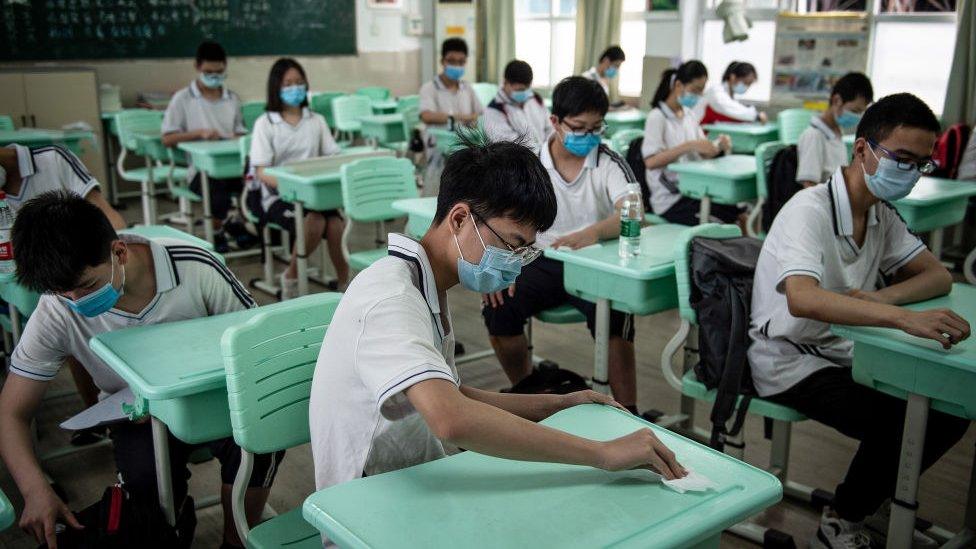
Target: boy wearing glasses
{"points": [[589, 181], [820, 265]]}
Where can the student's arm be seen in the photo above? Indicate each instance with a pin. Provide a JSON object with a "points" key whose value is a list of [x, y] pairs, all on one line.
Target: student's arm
{"points": [[221, 290], [809, 159], [114, 217], [924, 277], [723, 103], [605, 229], [262, 153], [537, 407], [207, 134], [266, 178]]}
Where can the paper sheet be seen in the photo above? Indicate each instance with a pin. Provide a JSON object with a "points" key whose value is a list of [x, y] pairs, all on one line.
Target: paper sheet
{"points": [[693, 482], [107, 411]]}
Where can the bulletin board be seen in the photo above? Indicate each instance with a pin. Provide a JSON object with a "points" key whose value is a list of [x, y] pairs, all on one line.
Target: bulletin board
{"points": [[813, 51]]}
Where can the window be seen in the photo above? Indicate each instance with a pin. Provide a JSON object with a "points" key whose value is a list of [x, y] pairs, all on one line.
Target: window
{"points": [[633, 34], [757, 49], [545, 37], [899, 64]]}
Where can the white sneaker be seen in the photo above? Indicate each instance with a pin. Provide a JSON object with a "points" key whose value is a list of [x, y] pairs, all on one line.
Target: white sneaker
{"points": [[837, 533], [876, 526], [289, 287]]}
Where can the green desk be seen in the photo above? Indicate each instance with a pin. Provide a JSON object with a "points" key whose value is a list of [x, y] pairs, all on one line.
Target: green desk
{"points": [[176, 371], [919, 371], [643, 285], [724, 180], [745, 137], [477, 501], [315, 184], [624, 119], [383, 106], [31, 137], [6, 512], [383, 128], [216, 159], [420, 214], [935, 204]]}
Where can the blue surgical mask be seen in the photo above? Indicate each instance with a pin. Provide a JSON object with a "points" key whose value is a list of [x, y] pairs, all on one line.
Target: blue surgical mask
{"points": [[611, 72], [688, 99], [739, 88], [496, 271], [521, 96], [454, 72], [293, 96], [580, 145], [848, 119], [213, 80], [102, 299], [889, 182]]}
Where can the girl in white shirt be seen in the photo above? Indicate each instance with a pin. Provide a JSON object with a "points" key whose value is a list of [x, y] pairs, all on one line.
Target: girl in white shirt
{"points": [[287, 132], [720, 105]]}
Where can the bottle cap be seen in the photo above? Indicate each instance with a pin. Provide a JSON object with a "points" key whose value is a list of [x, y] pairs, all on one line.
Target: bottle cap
{"points": [[3, 195]]}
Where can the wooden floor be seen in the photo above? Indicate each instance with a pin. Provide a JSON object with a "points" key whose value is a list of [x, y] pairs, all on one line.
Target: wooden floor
{"points": [[819, 455]]}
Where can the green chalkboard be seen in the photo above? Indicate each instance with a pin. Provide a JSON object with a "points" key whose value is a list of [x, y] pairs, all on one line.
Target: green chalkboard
{"points": [[117, 29]]}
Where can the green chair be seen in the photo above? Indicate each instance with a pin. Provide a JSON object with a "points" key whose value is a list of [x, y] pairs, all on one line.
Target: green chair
{"points": [[620, 142], [269, 361], [347, 111], [408, 102], [251, 111], [792, 122], [267, 282], [485, 91], [6, 512], [322, 103], [376, 93], [6, 122], [369, 188], [764, 160]]}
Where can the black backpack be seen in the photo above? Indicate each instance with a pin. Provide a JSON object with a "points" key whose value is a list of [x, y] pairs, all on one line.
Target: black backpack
{"points": [[781, 184], [721, 293], [548, 378], [636, 162]]}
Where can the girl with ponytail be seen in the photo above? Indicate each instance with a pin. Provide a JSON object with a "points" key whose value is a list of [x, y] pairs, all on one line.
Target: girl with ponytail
{"points": [[720, 103]]}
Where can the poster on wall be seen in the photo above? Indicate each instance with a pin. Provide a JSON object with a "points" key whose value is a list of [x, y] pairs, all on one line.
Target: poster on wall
{"points": [[814, 51]]}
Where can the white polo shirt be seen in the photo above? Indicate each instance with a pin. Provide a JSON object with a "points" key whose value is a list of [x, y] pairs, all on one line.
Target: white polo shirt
{"points": [[190, 283], [819, 152], [506, 120], [591, 196], [663, 130], [813, 236], [386, 335], [437, 97], [49, 168], [594, 75], [717, 97], [275, 142], [189, 110]]}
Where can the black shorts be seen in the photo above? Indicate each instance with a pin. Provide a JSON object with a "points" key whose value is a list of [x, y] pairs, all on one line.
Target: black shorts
{"points": [[282, 214], [540, 287], [133, 448], [221, 193], [685, 212]]}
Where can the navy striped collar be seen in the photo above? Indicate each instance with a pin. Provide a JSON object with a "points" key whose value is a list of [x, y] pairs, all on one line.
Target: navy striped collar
{"points": [[840, 205], [25, 160], [411, 250]]}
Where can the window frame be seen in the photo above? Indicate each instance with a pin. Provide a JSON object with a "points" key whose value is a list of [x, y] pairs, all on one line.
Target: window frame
{"points": [[551, 20]]}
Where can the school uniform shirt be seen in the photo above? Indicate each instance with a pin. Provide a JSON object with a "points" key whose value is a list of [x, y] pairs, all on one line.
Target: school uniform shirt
{"points": [[813, 236], [819, 152], [594, 75], [591, 197], [390, 331], [49, 168], [190, 283], [506, 120], [718, 105], [435, 96], [189, 110], [663, 130], [275, 142]]}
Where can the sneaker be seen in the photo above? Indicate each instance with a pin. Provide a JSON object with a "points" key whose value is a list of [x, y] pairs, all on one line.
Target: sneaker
{"points": [[876, 526], [837, 533], [289, 287]]}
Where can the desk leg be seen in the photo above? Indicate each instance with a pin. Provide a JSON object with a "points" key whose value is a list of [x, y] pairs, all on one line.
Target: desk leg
{"points": [[148, 194], [601, 349], [935, 242], [705, 210], [164, 480], [208, 231], [902, 525], [300, 251]]}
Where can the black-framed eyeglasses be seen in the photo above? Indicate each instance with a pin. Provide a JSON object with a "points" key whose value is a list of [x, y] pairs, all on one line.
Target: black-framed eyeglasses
{"points": [[925, 166], [525, 254], [582, 133]]}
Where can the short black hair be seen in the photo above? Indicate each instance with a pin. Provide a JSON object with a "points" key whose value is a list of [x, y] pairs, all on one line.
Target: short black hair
{"points": [[894, 111], [56, 237], [497, 179], [275, 77], [686, 73], [208, 50], [576, 95], [453, 44], [613, 53], [518, 72], [739, 69], [853, 85]]}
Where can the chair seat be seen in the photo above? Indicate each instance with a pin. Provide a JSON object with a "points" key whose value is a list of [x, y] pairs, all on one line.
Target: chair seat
{"points": [[361, 260], [139, 175], [285, 531], [563, 314], [398, 146], [180, 191], [690, 386]]}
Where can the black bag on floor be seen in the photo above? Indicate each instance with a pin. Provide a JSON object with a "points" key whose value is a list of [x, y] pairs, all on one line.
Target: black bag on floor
{"points": [[550, 379], [721, 293], [636, 162]]}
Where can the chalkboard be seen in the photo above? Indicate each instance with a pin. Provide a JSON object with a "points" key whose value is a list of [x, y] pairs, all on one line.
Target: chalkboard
{"points": [[117, 29]]}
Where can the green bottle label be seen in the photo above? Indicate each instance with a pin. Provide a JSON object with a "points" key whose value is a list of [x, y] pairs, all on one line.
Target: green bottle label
{"points": [[630, 227]]}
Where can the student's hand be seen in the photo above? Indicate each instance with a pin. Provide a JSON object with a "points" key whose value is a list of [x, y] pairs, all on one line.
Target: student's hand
{"points": [[496, 299], [641, 449], [935, 324], [577, 240], [763, 118], [867, 296], [41, 512], [725, 143], [468, 119], [208, 134], [704, 147], [588, 397]]}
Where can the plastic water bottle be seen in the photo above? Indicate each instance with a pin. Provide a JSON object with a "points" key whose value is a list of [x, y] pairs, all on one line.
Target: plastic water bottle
{"points": [[7, 265], [631, 215]]}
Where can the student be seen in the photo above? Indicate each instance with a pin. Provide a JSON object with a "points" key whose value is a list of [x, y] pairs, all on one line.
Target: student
{"points": [[447, 102], [720, 105], [386, 393], [821, 149], [672, 134], [287, 132], [207, 110], [607, 67], [95, 281], [820, 265], [590, 181], [517, 112]]}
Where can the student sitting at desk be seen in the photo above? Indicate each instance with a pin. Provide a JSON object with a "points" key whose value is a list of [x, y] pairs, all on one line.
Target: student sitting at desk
{"points": [[590, 181], [607, 68], [287, 132], [517, 113], [821, 264], [95, 281], [672, 134], [821, 149], [207, 110], [720, 105], [386, 392]]}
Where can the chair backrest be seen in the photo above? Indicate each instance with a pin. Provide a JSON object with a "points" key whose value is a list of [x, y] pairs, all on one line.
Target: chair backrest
{"points": [[6, 122], [250, 111], [137, 120], [621, 140], [269, 362], [682, 261], [764, 159], [411, 119], [322, 103], [485, 91], [350, 108], [371, 185], [407, 102], [374, 92], [792, 122]]}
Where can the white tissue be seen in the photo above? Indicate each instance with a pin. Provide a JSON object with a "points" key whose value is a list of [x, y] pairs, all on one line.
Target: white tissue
{"points": [[692, 482]]}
